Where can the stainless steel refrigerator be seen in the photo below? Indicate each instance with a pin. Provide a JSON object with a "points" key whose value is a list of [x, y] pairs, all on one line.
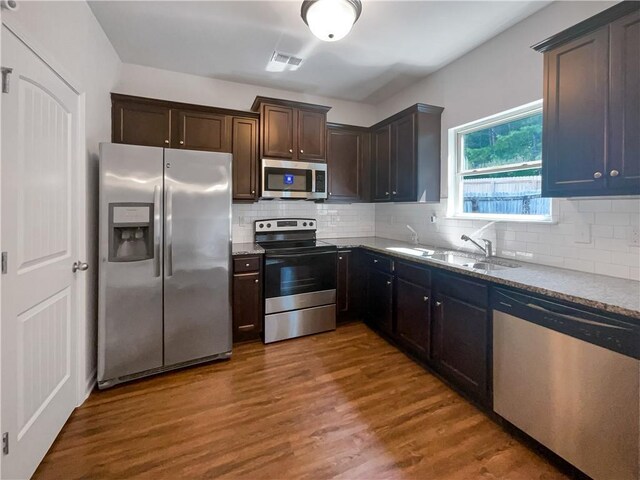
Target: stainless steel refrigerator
{"points": [[165, 249]]}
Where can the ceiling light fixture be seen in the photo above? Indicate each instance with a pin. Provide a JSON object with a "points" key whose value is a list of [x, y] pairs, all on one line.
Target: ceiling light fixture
{"points": [[330, 20]]}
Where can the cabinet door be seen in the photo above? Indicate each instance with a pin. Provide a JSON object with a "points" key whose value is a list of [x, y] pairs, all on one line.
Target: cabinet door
{"points": [[403, 160], [413, 316], [382, 164], [203, 131], [380, 301], [344, 164], [312, 135], [343, 300], [277, 130], [623, 163], [141, 124], [245, 158], [460, 347], [576, 90], [247, 306]]}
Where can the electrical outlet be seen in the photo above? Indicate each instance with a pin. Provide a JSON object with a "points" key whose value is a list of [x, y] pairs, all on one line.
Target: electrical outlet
{"points": [[582, 233], [634, 236]]}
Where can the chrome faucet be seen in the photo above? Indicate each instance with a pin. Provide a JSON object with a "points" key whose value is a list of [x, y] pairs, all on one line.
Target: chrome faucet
{"points": [[488, 246]]}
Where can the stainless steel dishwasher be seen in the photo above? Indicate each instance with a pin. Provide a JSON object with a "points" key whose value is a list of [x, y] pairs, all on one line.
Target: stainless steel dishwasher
{"points": [[570, 379]]}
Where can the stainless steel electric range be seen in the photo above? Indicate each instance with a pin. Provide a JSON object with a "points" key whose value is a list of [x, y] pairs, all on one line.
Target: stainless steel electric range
{"points": [[300, 278]]}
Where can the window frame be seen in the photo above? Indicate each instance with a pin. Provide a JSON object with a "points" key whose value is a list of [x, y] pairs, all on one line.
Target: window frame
{"points": [[456, 164]]}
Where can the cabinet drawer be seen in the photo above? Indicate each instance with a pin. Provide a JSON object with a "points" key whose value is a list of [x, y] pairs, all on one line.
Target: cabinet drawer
{"points": [[467, 290], [246, 264], [413, 273], [382, 263]]}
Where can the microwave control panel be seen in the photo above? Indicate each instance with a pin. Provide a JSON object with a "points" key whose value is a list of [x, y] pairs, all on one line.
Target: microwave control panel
{"points": [[321, 182]]}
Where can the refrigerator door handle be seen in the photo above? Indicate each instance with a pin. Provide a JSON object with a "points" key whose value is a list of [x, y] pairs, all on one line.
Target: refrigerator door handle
{"points": [[169, 231], [156, 229]]}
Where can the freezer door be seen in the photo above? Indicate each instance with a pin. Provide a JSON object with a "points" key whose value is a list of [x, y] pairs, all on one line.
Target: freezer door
{"points": [[197, 315], [130, 272]]}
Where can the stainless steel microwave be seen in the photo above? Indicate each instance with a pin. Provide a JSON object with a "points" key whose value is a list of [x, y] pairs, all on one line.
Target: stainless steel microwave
{"points": [[287, 179]]}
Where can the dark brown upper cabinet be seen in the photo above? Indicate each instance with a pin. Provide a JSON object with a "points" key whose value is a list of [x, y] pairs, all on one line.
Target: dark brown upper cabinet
{"points": [[161, 123], [382, 164], [278, 137], [203, 131], [292, 130], [245, 158], [347, 154], [624, 104], [406, 156], [312, 135], [140, 123], [591, 116]]}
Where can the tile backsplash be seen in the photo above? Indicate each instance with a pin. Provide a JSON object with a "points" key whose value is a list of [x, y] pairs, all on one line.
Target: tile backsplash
{"points": [[591, 235], [334, 220]]}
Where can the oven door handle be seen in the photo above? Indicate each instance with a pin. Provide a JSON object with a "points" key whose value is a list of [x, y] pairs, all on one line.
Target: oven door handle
{"points": [[297, 255]]}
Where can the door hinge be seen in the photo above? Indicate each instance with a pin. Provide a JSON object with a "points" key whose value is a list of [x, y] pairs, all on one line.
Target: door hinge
{"points": [[6, 72], [5, 443], [4, 262]]}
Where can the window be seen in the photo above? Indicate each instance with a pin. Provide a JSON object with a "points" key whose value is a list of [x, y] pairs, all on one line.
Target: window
{"points": [[495, 165]]}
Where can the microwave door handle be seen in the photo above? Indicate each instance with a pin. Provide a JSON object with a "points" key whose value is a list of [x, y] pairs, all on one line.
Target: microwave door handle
{"points": [[313, 180]]}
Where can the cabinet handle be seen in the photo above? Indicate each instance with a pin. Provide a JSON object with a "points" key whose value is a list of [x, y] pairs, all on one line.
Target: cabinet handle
{"points": [[386, 193], [301, 151], [426, 299], [614, 173], [388, 282], [167, 142], [438, 304], [339, 258], [375, 261], [256, 281], [291, 150], [253, 192], [394, 192], [597, 175], [181, 142], [246, 264]]}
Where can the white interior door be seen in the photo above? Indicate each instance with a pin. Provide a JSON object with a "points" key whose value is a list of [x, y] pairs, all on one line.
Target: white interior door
{"points": [[39, 233]]}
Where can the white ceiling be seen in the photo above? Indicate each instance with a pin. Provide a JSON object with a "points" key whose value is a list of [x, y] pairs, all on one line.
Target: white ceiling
{"points": [[393, 44]]}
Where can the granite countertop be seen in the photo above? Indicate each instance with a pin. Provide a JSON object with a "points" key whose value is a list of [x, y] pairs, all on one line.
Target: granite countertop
{"points": [[615, 295], [246, 249]]}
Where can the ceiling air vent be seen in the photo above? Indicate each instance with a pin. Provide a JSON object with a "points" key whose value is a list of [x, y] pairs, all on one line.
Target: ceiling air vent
{"points": [[279, 57]]}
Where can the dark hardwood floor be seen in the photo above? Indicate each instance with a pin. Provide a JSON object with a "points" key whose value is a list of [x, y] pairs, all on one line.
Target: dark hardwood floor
{"points": [[337, 405]]}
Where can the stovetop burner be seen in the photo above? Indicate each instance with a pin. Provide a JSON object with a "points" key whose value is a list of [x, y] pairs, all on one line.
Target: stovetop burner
{"points": [[289, 234]]}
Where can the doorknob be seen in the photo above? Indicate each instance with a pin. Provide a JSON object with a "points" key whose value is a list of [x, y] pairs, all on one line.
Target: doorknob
{"points": [[79, 266]]}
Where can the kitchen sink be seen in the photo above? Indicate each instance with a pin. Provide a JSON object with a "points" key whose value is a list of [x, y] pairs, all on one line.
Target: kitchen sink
{"points": [[462, 259], [418, 252], [472, 261]]}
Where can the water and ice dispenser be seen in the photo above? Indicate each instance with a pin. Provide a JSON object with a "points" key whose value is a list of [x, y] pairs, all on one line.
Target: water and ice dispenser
{"points": [[130, 232]]}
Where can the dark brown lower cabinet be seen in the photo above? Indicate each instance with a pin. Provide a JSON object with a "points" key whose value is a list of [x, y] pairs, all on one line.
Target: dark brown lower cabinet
{"points": [[345, 292], [380, 300], [460, 347], [413, 316], [247, 298]]}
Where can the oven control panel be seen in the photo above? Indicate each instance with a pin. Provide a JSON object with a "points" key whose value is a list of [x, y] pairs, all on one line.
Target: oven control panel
{"points": [[285, 224]]}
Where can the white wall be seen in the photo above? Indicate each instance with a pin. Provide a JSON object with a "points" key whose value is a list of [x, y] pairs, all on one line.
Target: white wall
{"points": [[182, 87], [68, 34], [501, 74]]}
